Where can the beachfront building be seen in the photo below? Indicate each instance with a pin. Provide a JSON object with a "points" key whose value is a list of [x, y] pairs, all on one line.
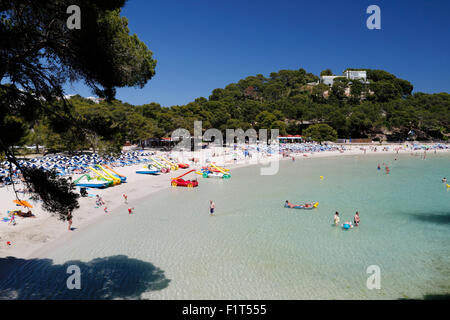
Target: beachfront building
{"points": [[291, 139]]}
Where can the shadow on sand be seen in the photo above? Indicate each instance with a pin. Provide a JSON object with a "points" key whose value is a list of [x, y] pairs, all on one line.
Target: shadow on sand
{"points": [[115, 277]]}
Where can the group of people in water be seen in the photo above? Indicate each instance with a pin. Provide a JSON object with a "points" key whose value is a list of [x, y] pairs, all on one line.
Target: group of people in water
{"points": [[356, 220], [385, 166]]}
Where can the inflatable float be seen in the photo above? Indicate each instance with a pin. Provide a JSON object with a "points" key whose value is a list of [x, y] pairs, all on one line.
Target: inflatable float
{"points": [[306, 206], [347, 226]]}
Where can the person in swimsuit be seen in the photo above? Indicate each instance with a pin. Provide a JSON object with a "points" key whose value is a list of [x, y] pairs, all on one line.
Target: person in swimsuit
{"points": [[356, 220], [288, 204], [336, 218], [212, 206]]}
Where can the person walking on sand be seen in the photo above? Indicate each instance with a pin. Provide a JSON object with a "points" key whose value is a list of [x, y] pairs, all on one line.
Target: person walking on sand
{"points": [[69, 220], [125, 197], [336, 218], [356, 219], [130, 210], [212, 206]]}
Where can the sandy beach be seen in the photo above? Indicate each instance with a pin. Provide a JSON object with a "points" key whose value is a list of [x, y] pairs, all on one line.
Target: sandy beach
{"points": [[30, 236]]}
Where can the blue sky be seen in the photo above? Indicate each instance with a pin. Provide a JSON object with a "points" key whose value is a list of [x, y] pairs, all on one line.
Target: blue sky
{"points": [[201, 45]]}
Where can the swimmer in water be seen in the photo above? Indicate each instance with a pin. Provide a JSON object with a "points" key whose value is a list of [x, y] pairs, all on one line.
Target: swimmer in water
{"points": [[444, 180], [378, 167]]}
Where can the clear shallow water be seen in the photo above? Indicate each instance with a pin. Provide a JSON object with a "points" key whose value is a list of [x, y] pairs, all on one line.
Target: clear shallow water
{"points": [[256, 249]]}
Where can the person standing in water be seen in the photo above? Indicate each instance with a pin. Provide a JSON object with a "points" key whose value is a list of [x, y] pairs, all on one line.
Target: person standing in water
{"points": [[356, 219], [212, 206], [444, 180], [336, 218]]}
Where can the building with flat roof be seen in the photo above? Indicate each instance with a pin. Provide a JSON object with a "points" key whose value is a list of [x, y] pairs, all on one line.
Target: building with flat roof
{"points": [[349, 74], [356, 75], [328, 80]]}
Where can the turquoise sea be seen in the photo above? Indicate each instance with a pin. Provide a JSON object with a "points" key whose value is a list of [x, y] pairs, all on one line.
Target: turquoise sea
{"points": [[254, 248]]}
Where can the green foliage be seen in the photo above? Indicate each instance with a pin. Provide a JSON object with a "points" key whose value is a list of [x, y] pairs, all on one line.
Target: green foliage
{"points": [[38, 55], [326, 72], [320, 132]]}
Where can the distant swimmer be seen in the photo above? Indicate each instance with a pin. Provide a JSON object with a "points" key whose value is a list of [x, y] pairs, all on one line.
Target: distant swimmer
{"points": [[379, 167], [444, 180], [356, 219], [336, 218], [288, 204], [212, 206]]}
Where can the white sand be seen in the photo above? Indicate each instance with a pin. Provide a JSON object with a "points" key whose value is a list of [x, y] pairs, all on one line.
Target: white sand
{"points": [[30, 235]]}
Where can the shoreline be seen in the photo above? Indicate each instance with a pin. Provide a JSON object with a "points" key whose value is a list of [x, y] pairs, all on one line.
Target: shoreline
{"points": [[31, 239]]}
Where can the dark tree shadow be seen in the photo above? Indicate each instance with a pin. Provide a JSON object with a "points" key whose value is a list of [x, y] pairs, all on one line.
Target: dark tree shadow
{"points": [[115, 277], [445, 296], [438, 218], [437, 296]]}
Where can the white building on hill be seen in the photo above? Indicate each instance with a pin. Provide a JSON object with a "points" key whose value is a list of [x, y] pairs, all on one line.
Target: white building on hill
{"points": [[349, 74]]}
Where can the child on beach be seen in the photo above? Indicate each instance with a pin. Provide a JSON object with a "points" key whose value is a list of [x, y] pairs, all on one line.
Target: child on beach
{"points": [[125, 197], [130, 210], [336, 218], [105, 209]]}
